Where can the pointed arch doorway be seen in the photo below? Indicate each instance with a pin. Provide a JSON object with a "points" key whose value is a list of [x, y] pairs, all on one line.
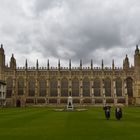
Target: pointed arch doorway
{"points": [[18, 103]]}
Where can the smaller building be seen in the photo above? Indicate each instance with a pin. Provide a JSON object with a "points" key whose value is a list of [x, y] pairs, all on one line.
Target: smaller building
{"points": [[2, 93]]}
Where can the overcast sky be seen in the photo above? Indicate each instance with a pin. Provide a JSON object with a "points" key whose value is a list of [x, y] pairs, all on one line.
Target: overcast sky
{"points": [[69, 29]]}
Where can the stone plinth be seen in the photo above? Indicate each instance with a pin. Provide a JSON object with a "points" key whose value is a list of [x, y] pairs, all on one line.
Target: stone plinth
{"points": [[70, 103]]}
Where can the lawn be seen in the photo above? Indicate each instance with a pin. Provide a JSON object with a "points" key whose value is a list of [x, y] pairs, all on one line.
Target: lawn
{"points": [[47, 124]]}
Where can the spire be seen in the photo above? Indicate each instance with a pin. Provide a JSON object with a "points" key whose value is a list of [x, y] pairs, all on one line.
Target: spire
{"points": [[13, 62], [2, 56], [126, 62], [70, 64], [126, 58], [137, 50], [102, 64], [26, 65], [12, 55], [37, 65], [113, 65], [80, 63], [48, 65], [91, 64], [1, 48], [59, 64]]}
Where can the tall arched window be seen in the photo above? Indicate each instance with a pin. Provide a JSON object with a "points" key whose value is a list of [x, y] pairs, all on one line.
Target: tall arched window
{"points": [[118, 87], [64, 87], [9, 87], [86, 87], [42, 87], [75, 87], [20, 86], [107, 86], [129, 86], [53, 87], [97, 87], [31, 86]]}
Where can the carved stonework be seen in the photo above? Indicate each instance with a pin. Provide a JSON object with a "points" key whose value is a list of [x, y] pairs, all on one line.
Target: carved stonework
{"points": [[86, 85]]}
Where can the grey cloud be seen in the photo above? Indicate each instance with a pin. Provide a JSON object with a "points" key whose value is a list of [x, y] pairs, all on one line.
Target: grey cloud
{"points": [[43, 5], [87, 29], [83, 35]]}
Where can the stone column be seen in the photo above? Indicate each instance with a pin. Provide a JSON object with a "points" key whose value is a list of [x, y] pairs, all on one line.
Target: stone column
{"points": [[36, 88], [2, 95], [102, 88], [59, 87], [91, 88], [25, 92], [47, 84], [104, 98], [103, 92], [123, 87], [126, 100], [134, 97], [92, 91], [16, 86], [14, 93], [125, 93], [112, 88], [58, 90], [48, 90], [70, 86], [114, 91], [81, 87], [35, 91], [81, 91]]}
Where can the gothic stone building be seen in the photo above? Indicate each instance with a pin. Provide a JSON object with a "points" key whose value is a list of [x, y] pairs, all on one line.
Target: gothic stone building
{"points": [[88, 86]]}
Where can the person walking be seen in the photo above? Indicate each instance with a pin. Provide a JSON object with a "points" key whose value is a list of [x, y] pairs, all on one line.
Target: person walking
{"points": [[107, 111], [118, 113]]}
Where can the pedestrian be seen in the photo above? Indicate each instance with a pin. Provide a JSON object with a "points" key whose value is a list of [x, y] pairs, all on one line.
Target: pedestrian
{"points": [[107, 111], [118, 113]]}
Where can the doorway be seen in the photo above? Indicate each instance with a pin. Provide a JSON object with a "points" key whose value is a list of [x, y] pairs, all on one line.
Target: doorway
{"points": [[18, 103]]}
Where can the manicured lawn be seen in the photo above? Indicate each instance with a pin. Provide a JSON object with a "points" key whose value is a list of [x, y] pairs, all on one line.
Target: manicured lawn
{"points": [[46, 124]]}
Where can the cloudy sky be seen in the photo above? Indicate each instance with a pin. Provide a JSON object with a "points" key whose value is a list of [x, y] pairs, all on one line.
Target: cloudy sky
{"points": [[69, 29]]}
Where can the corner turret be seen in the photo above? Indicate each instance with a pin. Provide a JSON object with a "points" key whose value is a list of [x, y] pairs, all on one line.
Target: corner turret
{"points": [[137, 74], [2, 62], [137, 63], [2, 57]]}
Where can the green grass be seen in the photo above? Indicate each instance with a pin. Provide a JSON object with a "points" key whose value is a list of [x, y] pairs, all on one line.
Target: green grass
{"points": [[46, 124]]}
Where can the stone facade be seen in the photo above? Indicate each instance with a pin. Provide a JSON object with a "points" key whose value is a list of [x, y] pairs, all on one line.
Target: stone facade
{"points": [[87, 85]]}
